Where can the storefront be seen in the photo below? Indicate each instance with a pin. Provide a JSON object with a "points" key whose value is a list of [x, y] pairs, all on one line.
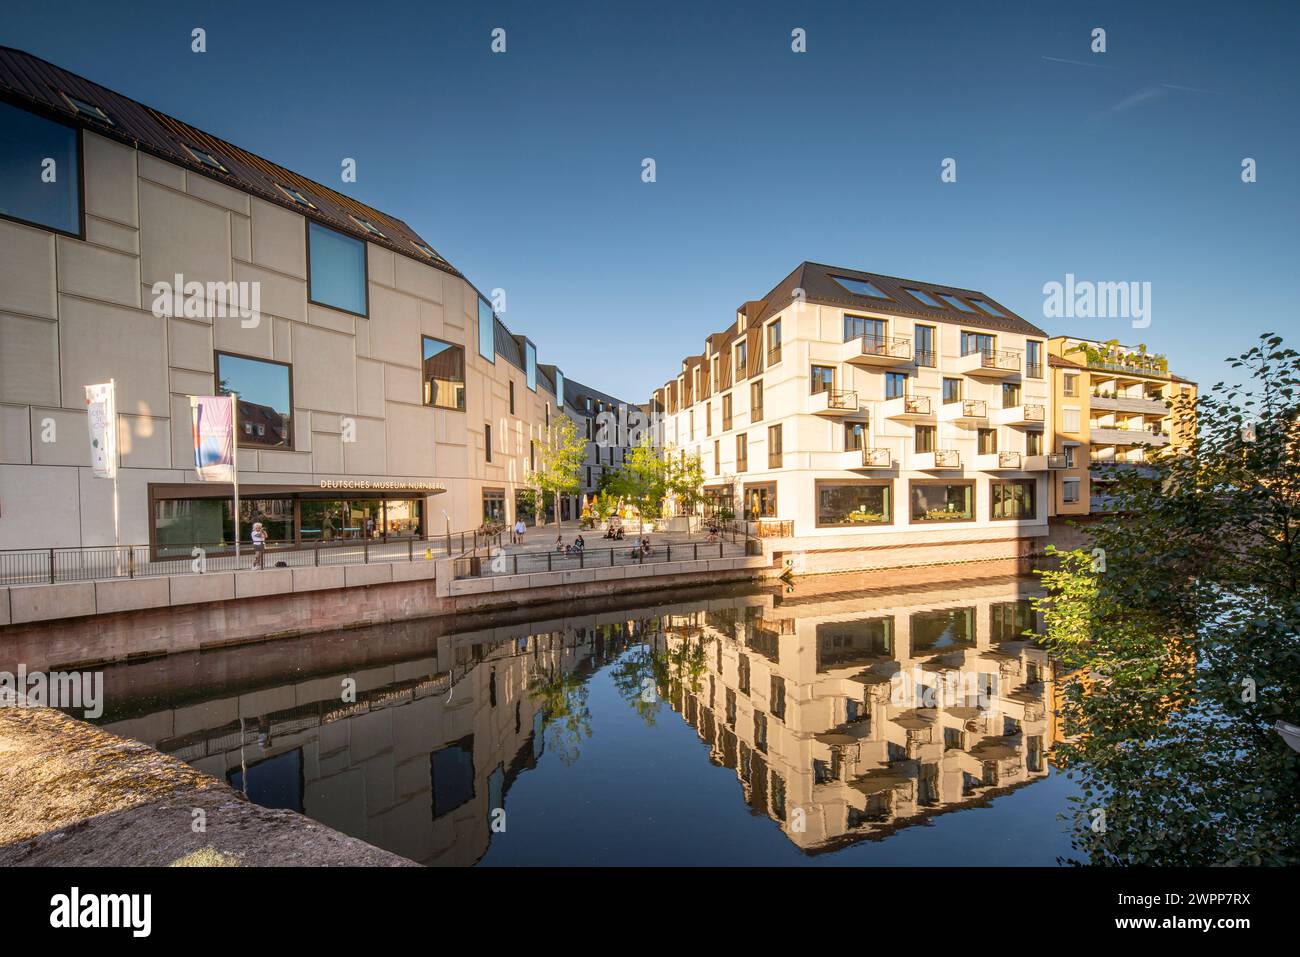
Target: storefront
{"points": [[186, 515]]}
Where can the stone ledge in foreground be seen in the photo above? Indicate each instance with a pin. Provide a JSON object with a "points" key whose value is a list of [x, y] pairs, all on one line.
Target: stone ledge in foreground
{"points": [[74, 795]]}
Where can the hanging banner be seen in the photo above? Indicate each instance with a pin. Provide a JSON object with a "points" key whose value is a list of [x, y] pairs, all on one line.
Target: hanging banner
{"points": [[101, 417], [214, 437]]}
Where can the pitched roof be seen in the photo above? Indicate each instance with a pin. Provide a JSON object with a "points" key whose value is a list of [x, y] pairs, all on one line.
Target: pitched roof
{"points": [[37, 85], [819, 285]]}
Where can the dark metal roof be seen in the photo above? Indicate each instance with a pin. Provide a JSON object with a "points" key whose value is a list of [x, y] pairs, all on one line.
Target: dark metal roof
{"points": [[34, 84], [575, 392], [817, 280]]}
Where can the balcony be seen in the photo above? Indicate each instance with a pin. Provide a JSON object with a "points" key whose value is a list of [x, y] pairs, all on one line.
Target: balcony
{"points": [[1118, 435], [994, 364], [870, 459], [999, 461], [937, 460], [966, 412], [1055, 461], [907, 408], [1124, 403], [879, 351], [832, 403], [1027, 413]]}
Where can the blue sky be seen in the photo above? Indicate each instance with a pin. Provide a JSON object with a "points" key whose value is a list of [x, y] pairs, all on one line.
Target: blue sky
{"points": [[524, 168]]}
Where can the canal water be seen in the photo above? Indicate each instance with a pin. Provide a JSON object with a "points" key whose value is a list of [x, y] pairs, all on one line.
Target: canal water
{"points": [[816, 723]]}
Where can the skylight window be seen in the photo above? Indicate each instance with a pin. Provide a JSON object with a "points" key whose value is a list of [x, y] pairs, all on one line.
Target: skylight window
{"points": [[88, 110], [206, 158], [991, 309], [368, 226], [924, 298], [296, 196], [861, 287], [955, 302]]}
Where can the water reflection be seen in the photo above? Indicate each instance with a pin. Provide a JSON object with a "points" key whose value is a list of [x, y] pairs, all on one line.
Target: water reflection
{"points": [[844, 716]]}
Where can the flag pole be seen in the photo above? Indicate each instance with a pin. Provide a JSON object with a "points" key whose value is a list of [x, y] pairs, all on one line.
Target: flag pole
{"points": [[117, 464], [234, 462]]}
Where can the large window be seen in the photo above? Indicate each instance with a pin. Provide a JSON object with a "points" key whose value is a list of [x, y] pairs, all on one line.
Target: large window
{"points": [[487, 332], [859, 327], [823, 379], [741, 364], [265, 407], [972, 342], [986, 441], [530, 365], [924, 347], [756, 401], [760, 501], [742, 452], [32, 189], [726, 412], [1014, 499], [444, 375], [1010, 395], [854, 503], [855, 436], [926, 436], [774, 343], [494, 506], [336, 269], [774, 449], [559, 392], [943, 501], [1033, 358], [895, 384], [951, 391]]}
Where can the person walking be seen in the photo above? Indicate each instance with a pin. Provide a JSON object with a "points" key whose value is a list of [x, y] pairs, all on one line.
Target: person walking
{"points": [[520, 530], [259, 545]]}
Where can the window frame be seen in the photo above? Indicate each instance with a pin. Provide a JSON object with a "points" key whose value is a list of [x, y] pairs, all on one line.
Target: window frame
{"points": [[463, 371], [887, 484], [293, 417], [308, 222], [775, 431], [997, 483], [974, 501], [81, 174]]}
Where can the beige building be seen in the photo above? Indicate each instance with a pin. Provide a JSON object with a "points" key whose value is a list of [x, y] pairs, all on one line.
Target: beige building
{"points": [[379, 396], [1115, 407], [853, 410]]}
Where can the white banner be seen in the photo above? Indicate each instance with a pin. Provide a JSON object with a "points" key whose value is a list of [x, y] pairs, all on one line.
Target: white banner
{"points": [[101, 417]]}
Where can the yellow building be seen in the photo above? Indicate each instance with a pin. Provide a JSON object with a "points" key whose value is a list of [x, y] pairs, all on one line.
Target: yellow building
{"points": [[1114, 406]]}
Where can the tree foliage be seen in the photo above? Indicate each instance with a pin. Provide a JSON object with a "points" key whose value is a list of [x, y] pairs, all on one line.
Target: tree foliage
{"points": [[1181, 635]]}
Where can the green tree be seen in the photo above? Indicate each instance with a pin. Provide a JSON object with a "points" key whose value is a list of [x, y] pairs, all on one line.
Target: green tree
{"points": [[685, 482], [1180, 630], [643, 481], [560, 460]]}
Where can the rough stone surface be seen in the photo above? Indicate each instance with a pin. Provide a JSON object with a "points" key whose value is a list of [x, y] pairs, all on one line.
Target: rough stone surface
{"points": [[71, 794]]}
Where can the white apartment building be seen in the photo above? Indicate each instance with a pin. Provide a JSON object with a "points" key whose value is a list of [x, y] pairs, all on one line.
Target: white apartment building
{"points": [[852, 410]]}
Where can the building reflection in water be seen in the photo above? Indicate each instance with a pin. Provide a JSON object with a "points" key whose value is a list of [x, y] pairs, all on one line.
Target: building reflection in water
{"points": [[844, 715]]}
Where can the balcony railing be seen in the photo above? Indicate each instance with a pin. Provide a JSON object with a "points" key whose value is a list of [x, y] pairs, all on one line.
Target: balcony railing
{"points": [[773, 355], [1056, 460], [947, 459], [914, 404], [1035, 413], [877, 458], [1008, 460], [1034, 370]]}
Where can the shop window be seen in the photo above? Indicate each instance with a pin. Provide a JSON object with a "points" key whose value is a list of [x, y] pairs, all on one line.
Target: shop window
{"points": [[854, 503], [1014, 499], [942, 501]]}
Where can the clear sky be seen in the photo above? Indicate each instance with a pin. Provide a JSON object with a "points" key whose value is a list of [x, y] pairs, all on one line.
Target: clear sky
{"points": [[524, 168]]}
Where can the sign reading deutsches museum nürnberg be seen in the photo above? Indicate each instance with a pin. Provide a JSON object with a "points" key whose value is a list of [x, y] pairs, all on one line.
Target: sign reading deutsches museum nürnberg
{"points": [[380, 485]]}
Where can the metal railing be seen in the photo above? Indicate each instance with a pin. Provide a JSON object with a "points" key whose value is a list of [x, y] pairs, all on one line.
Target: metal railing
{"points": [[773, 355], [522, 563], [877, 458], [947, 458], [1008, 460], [1008, 360], [1056, 460], [913, 404], [891, 347], [974, 409], [843, 401]]}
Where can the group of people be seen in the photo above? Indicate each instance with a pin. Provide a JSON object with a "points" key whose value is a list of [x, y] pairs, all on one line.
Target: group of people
{"points": [[614, 531], [578, 545]]}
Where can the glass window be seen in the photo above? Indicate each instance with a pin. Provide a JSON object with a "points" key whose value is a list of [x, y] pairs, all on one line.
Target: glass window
{"points": [[756, 401], [987, 441], [861, 287], [925, 438], [494, 506], [337, 268], [924, 349], [726, 411], [1070, 420], [88, 110], [1033, 358], [955, 302], [512, 397], [27, 141], [444, 375], [487, 441], [774, 343], [951, 391], [265, 406], [207, 159], [295, 195], [1010, 395], [943, 501], [1070, 384], [530, 365], [988, 307], [823, 379], [774, 447], [760, 502], [942, 628], [1014, 499], [1070, 490], [742, 452], [924, 297], [742, 360], [487, 341], [331, 520], [895, 384], [859, 327], [854, 503], [368, 226], [855, 436], [973, 342], [559, 391], [1033, 443]]}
